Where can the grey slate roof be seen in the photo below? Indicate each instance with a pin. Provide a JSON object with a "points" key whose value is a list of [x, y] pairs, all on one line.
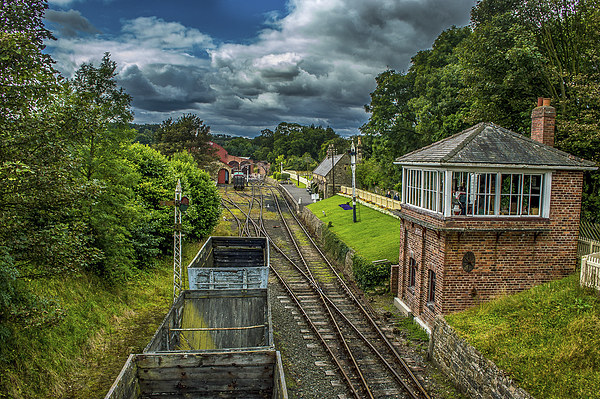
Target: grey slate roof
{"points": [[487, 144], [325, 166]]}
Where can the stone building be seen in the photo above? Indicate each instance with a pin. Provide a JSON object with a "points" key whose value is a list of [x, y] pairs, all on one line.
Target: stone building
{"points": [[332, 173], [486, 212]]}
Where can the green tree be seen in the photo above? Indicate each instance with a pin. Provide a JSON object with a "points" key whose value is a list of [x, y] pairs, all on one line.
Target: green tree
{"points": [[205, 202], [186, 133], [40, 235], [97, 113], [240, 146], [502, 71], [438, 110]]}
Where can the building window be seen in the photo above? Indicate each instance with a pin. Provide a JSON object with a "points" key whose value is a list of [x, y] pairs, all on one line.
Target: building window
{"points": [[431, 289], [496, 194], [521, 194], [413, 187], [425, 189], [412, 273]]}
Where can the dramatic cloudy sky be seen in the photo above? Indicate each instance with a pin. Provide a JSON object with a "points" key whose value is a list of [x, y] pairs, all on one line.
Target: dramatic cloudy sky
{"points": [[246, 65]]}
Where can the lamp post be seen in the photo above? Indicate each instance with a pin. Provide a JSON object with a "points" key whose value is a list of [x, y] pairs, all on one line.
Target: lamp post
{"points": [[331, 150], [353, 166]]}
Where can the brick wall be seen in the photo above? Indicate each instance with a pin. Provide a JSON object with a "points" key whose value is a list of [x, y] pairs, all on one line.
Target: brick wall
{"points": [[470, 371], [506, 260]]}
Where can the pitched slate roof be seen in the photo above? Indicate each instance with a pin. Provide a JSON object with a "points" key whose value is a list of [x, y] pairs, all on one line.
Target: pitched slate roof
{"points": [[487, 144], [325, 166]]}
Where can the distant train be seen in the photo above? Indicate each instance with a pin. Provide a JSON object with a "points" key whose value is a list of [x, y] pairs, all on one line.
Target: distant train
{"points": [[239, 180]]}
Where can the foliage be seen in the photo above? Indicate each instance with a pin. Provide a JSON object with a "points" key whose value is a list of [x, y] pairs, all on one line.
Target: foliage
{"points": [[205, 202], [413, 109], [369, 275], [75, 196], [371, 174], [189, 133], [297, 144], [241, 147], [493, 71], [145, 133], [39, 232], [545, 338]]}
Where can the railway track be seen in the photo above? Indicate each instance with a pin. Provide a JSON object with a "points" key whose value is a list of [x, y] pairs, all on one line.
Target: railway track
{"points": [[364, 358]]}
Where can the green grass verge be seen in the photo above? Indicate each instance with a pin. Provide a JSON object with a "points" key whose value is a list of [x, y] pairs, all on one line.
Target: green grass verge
{"points": [[546, 338], [375, 236], [82, 354]]}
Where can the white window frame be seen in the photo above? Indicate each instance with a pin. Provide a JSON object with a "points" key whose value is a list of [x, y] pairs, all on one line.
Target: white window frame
{"points": [[416, 191], [424, 188]]}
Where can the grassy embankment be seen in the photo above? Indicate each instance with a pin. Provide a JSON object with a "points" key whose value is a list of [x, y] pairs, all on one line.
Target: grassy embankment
{"points": [[547, 339], [80, 356], [375, 236]]}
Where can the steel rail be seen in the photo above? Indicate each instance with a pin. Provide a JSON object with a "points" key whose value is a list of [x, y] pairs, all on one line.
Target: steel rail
{"points": [[293, 295], [325, 301], [239, 223], [321, 294], [329, 303], [405, 366]]}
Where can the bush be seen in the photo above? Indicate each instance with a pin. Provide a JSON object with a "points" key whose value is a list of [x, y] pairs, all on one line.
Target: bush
{"points": [[368, 274], [284, 176]]}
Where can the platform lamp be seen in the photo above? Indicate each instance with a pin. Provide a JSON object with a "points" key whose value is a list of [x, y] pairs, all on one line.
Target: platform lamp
{"points": [[353, 165], [331, 151]]}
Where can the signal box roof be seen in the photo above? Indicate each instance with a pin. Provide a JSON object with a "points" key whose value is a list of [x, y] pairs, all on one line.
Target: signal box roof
{"points": [[489, 145]]}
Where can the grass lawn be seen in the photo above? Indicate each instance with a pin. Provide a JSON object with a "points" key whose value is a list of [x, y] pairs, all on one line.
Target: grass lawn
{"points": [[81, 355], [547, 339], [374, 236]]}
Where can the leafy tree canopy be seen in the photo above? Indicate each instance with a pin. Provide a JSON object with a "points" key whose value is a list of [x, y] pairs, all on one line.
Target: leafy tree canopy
{"points": [[188, 133]]}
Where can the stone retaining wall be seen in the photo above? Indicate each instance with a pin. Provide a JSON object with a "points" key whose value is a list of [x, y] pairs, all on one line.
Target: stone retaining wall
{"points": [[315, 226], [470, 371]]}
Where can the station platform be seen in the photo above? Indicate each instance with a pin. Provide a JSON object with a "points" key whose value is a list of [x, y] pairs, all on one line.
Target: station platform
{"points": [[300, 195]]}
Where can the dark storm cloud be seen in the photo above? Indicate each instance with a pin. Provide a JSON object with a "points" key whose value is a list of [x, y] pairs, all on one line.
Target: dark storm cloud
{"points": [[330, 53], [316, 65], [70, 22], [165, 88]]}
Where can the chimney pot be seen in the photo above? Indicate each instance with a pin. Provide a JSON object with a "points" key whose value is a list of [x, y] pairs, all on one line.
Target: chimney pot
{"points": [[540, 101], [546, 102]]}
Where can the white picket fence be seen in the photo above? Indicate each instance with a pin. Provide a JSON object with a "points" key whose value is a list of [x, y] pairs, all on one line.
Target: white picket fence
{"points": [[590, 271]]}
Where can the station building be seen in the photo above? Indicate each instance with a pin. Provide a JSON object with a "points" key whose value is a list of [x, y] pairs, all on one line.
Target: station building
{"points": [[226, 164], [486, 212], [332, 173]]}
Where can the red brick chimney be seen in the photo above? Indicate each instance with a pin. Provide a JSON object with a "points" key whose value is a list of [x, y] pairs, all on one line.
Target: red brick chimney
{"points": [[542, 122]]}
